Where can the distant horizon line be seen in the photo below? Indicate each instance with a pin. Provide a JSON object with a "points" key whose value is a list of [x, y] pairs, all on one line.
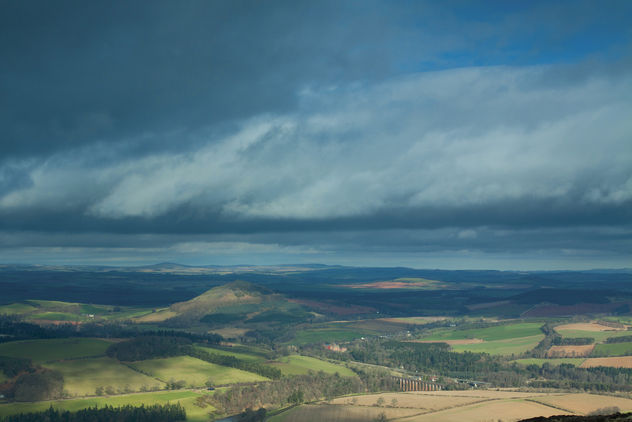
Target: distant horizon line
{"points": [[304, 264]]}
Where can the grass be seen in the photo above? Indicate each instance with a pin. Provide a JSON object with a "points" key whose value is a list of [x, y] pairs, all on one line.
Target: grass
{"points": [[599, 336], [55, 349], [17, 308], [326, 335], [498, 332], [501, 347], [194, 372], [300, 365], [3, 377], [56, 316], [554, 362], [83, 376], [238, 355], [612, 349], [186, 398]]}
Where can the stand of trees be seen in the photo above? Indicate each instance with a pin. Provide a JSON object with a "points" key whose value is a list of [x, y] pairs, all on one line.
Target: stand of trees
{"points": [[12, 367], [42, 385], [13, 328], [622, 339], [153, 413], [300, 388], [148, 347]]}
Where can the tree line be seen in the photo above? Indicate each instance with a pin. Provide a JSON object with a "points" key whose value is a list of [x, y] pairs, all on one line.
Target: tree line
{"points": [[153, 413]]}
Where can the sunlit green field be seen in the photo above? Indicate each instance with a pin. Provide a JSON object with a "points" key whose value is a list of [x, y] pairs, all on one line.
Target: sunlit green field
{"points": [[300, 365], [16, 308], [612, 349], [56, 316], [194, 372], [499, 332], [54, 349], [553, 362], [83, 376], [186, 398], [238, 355], [501, 347], [599, 336]]}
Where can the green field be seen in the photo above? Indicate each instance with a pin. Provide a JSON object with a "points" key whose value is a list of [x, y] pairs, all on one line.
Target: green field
{"points": [[17, 308], [612, 349], [3, 377], [501, 347], [554, 362], [55, 349], [599, 336], [186, 398], [498, 332], [83, 376], [194, 372], [326, 335], [238, 355], [300, 365], [56, 316]]}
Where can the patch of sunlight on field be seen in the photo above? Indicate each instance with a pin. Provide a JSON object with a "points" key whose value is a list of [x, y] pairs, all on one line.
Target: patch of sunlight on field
{"points": [[488, 411], [497, 332], [501, 347], [55, 349], [83, 376], [612, 349], [300, 365], [159, 316], [343, 413], [17, 308], [585, 403], [186, 398], [599, 336], [553, 361], [412, 400], [194, 372]]}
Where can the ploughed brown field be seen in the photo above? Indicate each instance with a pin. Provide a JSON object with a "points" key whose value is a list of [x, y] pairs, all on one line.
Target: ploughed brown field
{"points": [[570, 351], [453, 406], [616, 362]]}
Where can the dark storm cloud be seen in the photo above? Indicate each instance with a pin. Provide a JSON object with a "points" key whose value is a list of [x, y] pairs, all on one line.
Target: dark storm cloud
{"points": [[277, 127]]}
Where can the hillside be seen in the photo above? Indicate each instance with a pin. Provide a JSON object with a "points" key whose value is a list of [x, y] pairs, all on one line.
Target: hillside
{"points": [[233, 303]]}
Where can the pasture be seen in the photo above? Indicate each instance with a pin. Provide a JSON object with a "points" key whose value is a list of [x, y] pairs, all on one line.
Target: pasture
{"points": [[496, 332], [83, 376], [185, 398], [612, 349], [300, 365], [599, 336], [239, 355], [194, 372], [55, 349]]}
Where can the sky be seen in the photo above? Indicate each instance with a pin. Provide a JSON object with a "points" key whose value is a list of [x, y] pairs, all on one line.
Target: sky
{"points": [[427, 134]]}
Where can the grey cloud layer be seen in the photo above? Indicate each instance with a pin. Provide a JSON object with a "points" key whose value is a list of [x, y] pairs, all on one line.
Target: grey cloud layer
{"points": [[477, 140]]}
